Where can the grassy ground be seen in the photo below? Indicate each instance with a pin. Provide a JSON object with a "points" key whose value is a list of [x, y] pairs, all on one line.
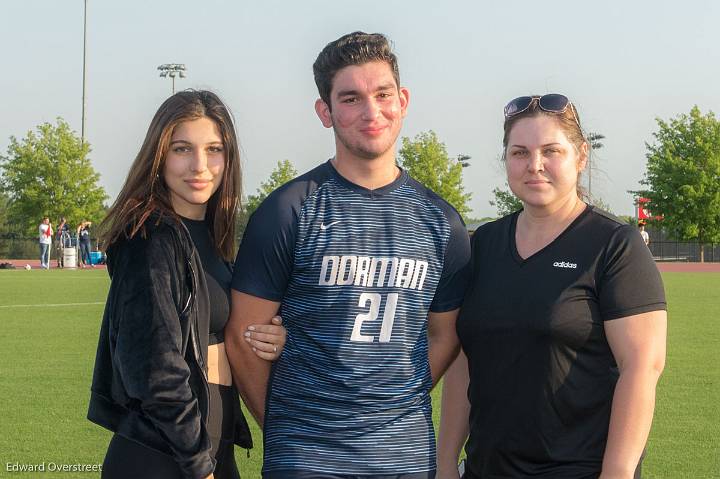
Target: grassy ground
{"points": [[685, 440], [49, 323]]}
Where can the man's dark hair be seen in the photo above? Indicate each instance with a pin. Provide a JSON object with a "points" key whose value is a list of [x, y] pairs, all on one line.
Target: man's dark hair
{"points": [[355, 48]]}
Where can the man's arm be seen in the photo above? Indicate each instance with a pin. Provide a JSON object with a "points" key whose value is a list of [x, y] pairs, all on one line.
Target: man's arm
{"points": [[250, 373], [443, 344]]}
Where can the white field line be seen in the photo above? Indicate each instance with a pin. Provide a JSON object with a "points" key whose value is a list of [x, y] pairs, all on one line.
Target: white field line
{"points": [[50, 305]]}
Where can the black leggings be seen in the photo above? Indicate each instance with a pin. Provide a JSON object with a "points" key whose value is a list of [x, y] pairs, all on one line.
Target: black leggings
{"points": [[127, 459]]}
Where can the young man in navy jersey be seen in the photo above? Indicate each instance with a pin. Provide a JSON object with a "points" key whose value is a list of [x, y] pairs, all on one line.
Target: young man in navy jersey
{"points": [[367, 268]]}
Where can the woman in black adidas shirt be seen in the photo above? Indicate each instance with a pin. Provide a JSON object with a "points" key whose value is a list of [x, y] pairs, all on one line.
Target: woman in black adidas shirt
{"points": [[563, 327]]}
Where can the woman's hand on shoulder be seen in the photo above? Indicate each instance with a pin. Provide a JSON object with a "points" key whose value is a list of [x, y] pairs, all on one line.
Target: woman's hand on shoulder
{"points": [[267, 340]]}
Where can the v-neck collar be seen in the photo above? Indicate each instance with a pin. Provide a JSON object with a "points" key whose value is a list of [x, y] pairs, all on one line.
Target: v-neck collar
{"points": [[513, 244], [380, 191]]}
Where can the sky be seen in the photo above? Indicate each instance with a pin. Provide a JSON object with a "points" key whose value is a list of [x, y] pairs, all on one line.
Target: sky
{"points": [[622, 63]]}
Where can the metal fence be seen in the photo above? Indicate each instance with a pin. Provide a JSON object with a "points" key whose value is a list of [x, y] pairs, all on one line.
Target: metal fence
{"points": [[28, 248], [664, 248], [684, 251]]}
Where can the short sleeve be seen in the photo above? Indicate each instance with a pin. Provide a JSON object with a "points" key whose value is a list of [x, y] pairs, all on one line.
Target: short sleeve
{"points": [[264, 261], [629, 282], [456, 268]]}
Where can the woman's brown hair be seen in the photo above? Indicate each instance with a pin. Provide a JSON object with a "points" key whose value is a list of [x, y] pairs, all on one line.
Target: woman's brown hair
{"points": [[145, 191]]}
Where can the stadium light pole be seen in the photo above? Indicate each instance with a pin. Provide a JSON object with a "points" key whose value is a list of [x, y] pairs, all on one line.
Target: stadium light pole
{"points": [[172, 70], [595, 144], [82, 124]]}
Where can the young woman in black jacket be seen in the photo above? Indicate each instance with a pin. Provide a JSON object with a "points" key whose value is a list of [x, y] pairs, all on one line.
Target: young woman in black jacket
{"points": [[162, 382]]}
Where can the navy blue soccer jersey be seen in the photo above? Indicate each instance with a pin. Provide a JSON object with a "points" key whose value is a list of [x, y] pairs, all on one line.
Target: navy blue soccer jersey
{"points": [[356, 272]]}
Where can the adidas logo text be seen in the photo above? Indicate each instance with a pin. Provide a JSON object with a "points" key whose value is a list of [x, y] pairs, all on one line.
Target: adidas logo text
{"points": [[563, 264]]}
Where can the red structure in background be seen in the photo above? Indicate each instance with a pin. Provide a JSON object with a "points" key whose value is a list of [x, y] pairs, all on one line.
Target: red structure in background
{"points": [[642, 213]]}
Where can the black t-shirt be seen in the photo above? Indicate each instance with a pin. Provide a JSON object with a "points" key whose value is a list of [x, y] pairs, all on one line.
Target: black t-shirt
{"points": [[542, 375], [85, 234], [218, 274]]}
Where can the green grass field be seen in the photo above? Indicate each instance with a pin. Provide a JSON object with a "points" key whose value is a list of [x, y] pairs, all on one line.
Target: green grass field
{"points": [[49, 323]]}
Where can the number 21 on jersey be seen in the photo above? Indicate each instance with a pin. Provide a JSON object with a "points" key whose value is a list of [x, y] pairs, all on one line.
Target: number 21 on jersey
{"points": [[388, 317]]}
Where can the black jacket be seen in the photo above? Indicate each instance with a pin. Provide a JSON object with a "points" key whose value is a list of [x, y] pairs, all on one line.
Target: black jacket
{"points": [[150, 379]]}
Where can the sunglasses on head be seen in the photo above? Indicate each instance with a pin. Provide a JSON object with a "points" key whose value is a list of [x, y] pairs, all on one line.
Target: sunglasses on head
{"points": [[552, 103]]}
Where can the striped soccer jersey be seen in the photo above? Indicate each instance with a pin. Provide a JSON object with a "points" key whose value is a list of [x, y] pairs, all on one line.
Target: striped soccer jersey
{"points": [[356, 272]]}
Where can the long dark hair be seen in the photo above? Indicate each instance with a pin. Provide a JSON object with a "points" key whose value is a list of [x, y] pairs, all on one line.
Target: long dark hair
{"points": [[145, 191]]}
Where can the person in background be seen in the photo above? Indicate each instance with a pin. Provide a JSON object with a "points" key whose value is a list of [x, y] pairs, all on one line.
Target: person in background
{"points": [[83, 235], [644, 234], [563, 327], [45, 240], [63, 237], [162, 382]]}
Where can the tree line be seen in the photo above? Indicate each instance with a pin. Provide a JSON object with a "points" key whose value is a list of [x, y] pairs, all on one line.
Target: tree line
{"points": [[49, 173]]}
